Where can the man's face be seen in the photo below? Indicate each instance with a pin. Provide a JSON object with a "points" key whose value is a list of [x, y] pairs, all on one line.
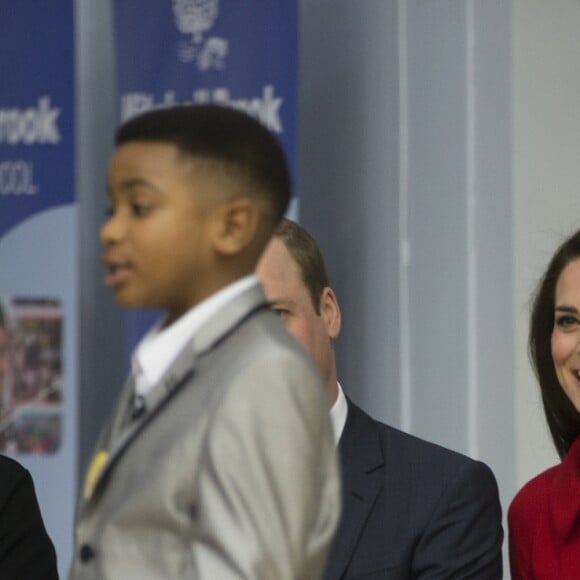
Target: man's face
{"points": [[157, 250], [288, 295]]}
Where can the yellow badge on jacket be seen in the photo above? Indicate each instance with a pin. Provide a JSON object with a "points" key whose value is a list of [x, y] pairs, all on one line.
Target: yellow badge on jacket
{"points": [[94, 473]]}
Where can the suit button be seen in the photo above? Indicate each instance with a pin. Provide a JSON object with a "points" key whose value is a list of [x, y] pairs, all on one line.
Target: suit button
{"points": [[87, 553]]}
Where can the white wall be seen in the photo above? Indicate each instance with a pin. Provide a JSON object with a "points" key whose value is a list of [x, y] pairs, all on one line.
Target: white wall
{"points": [[546, 161], [405, 180]]}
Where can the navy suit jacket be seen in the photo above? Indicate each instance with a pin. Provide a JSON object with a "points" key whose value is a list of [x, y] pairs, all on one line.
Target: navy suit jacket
{"points": [[26, 551], [412, 509]]}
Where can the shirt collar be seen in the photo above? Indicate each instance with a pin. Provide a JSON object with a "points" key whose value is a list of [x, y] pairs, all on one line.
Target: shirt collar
{"points": [[160, 346], [338, 413]]}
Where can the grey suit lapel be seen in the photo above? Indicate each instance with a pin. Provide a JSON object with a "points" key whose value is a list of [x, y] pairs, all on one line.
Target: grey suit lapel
{"points": [[119, 434], [361, 462], [122, 430], [125, 428]]}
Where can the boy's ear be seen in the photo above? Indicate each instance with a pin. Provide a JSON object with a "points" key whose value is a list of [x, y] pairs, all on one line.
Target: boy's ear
{"points": [[236, 225]]}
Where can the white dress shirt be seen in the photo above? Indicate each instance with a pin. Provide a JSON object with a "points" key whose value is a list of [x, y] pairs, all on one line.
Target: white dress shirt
{"points": [[160, 346]]}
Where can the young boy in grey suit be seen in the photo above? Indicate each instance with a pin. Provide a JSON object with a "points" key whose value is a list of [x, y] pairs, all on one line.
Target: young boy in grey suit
{"points": [[218, 460]]}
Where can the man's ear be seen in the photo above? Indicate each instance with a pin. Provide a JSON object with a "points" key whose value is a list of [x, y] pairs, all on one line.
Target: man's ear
{"points": [[330, 312], [236, 225]]}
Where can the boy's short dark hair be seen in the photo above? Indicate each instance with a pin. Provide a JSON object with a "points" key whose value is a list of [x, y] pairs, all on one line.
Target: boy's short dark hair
{"points": [[241, 144], [307, 255]]}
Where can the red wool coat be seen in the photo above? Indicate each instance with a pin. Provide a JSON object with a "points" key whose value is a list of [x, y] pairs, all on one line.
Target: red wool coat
{"points": [[544, 523]]}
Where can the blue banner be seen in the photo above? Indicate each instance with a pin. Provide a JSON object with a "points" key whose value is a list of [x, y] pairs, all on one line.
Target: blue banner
{"points": [[240, 54], [36, 112], [38, 257]]}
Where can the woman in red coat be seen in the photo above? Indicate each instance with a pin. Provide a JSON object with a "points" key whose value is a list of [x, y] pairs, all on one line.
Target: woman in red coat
{"points": [[544, 517]]}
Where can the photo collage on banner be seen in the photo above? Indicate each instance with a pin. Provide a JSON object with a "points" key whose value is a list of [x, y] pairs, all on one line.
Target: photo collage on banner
{"points": [[31, 389], [238, 54]]}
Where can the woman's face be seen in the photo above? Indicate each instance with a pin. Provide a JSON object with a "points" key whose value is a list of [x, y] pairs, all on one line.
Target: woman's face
{"points": [[566, 332]]}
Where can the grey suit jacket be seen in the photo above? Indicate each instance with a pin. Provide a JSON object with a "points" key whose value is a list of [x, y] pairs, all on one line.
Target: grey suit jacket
{"points": [[229, 472]]}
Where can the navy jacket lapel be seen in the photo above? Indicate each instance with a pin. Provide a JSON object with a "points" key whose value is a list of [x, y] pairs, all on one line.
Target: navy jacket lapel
{"points": [[362, 462]]}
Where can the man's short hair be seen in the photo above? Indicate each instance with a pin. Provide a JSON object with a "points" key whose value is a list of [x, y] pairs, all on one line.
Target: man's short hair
{"points": [[307, 255], [244, 147]]}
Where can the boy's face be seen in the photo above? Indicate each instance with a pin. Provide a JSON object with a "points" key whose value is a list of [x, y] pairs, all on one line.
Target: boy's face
{"points": [[158, 252]]}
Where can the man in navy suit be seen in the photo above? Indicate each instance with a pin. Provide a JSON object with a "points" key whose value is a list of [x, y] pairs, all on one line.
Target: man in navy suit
{"points": [[411, 509], [26, 551]]}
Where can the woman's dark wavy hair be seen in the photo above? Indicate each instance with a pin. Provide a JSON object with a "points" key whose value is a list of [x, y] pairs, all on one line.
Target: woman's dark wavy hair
{"points": [[562, 417]]}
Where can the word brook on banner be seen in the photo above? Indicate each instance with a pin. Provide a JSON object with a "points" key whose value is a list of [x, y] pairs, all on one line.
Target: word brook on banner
{"points": [[32, 126]]}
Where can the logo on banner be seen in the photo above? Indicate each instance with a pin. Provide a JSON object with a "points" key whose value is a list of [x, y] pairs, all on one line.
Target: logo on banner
{"points": [[195, 18]]}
